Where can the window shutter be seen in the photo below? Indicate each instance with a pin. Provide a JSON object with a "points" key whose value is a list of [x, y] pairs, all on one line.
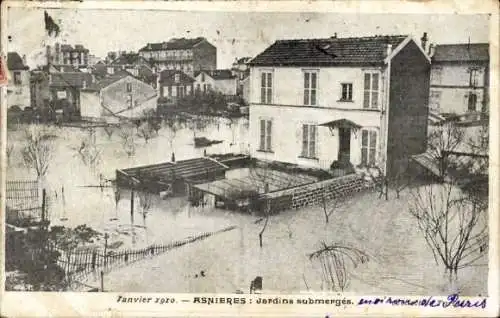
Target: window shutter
{"points": [[312, 141], [269, 131], [262, 134], [366, 98], [305, 132]]}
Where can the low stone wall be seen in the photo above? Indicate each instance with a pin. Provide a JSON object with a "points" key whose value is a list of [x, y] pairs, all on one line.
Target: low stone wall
{"points": [[315, 193]]}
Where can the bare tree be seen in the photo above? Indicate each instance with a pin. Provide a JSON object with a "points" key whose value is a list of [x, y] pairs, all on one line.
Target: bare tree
{"points": [[145, 201], [9, 150], [453, 223], [145, 131], [88, 151], [127, 140], [335, 261], [38, 150], [174, 124], [329, 203], [109, 131], [445, 137]]}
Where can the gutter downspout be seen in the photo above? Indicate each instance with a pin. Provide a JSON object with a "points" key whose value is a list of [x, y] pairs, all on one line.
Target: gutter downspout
{"points": [[388, 97]]}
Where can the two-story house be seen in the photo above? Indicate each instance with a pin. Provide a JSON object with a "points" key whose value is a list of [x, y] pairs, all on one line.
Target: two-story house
{"points": [[362, 100], [65, 92], [116, 97], [18, 89], [222, 81], [173, 85], [187, 55], [459, 78]]}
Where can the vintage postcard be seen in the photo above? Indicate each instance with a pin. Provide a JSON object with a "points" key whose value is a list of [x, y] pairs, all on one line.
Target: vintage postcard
{"points": [[258, 158]]}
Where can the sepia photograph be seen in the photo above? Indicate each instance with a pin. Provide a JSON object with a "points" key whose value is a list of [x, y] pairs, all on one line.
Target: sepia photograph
{"points": [[244, 152]]}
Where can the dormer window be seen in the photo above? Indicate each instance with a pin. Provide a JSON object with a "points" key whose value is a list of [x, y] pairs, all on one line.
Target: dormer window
{"points": [[111, 70], [84, 84], [202, 77], [177, 78]]}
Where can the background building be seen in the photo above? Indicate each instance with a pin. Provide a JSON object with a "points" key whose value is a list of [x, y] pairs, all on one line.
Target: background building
{"points": [[18, 89], [187, 55], [65, 54], [459, 78]]}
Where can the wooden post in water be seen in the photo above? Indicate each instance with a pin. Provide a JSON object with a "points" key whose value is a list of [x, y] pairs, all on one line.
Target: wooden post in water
{"points": [[132, 207], [43, 204], [102, 281]]}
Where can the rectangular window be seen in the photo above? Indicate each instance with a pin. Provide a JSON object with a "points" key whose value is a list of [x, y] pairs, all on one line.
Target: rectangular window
{"points": [[266, 87], [435, 100], [473, 77], [265, 143], [202, 77], [472, 102], [174, 91], [368, 147], [170, 91], [17, 78], [436, 75], [129, 101], [371, 90], [309, 134], [346, 92], [310, 87], [177, 78], [129, 87], [198, 87]]}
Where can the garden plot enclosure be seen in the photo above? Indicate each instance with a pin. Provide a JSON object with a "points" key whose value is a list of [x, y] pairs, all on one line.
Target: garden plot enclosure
{"points": [[171, 177], [244, 191]]}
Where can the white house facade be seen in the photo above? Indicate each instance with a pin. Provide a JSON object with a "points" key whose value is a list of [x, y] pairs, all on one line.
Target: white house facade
{"points": [[222, 81], [311, 110], [459, 78]]}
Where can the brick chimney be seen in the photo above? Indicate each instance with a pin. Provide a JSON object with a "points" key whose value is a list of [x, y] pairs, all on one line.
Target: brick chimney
{"points": [[431, 49], [24, 60], [388, 50], [423, 41]]}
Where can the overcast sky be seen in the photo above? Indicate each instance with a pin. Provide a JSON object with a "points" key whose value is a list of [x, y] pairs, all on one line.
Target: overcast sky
{"points": [[234, 34]]}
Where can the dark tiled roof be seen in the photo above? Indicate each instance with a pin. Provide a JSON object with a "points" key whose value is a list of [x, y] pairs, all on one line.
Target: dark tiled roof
{"points": [[243, 60], [168, 77], [71, 79], [173, 44], [108, 80], [461, 52], [15, 62], [218, 74], [128, 59], [69, 48], [328, 52]]}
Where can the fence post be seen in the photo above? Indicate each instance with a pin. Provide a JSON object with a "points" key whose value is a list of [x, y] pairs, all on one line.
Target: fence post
{"points": [[106, 236]]}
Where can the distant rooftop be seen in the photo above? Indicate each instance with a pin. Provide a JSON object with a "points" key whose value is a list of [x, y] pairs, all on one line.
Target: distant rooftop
{"points": [[328, 51], [461, 52], [15, 62], [218, 74], [173, 44]]}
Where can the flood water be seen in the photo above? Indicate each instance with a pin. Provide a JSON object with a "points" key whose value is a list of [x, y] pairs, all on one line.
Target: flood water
{"points": [[74, 195]]}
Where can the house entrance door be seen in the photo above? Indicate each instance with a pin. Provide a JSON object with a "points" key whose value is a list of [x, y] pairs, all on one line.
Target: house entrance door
{"points": [[344, 144]]}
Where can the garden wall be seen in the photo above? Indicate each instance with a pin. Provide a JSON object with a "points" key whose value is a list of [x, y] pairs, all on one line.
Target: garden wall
{"points": [[312, 194]]}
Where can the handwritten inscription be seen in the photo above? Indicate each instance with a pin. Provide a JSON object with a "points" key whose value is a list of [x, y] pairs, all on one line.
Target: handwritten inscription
{"points": [[453, 300]]}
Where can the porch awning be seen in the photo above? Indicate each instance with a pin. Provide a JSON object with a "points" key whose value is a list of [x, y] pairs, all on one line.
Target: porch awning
{"points": [[341, 123]]}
